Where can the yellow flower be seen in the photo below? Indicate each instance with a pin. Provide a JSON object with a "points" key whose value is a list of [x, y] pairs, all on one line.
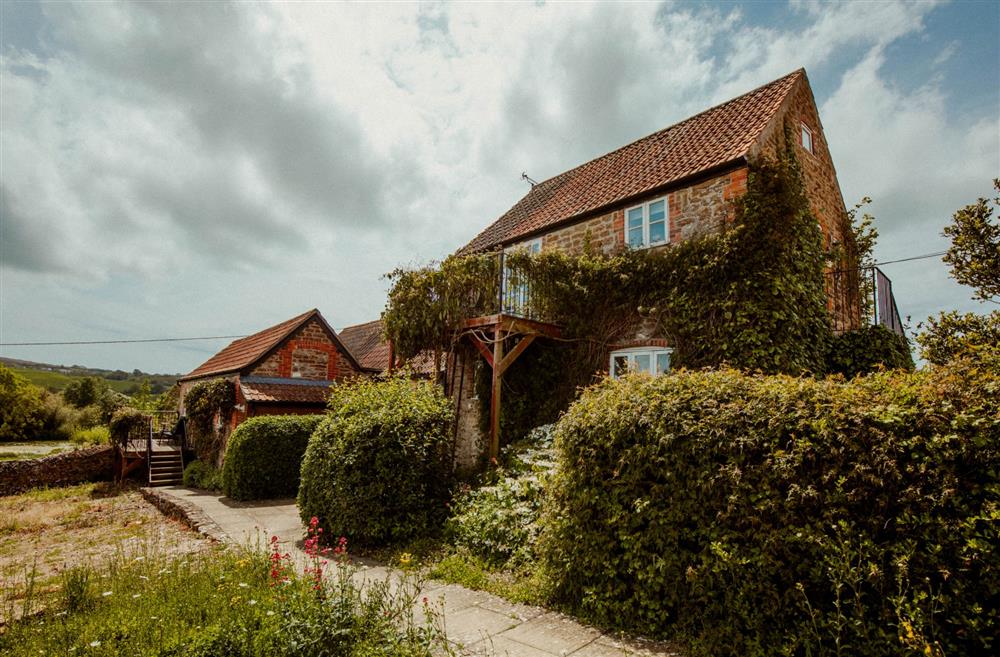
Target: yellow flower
{"points": [[405, 559]]}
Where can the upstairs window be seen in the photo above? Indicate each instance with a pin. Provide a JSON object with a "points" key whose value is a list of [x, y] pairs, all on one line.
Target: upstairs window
{"points": [[646, 224], [807, 138], [651, 360]]}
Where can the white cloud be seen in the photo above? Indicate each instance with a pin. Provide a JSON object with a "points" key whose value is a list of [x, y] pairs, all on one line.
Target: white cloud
{"points": [[216, 168]]}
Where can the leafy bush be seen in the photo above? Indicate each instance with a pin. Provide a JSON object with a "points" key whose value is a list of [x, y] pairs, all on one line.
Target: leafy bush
{"points": [[760, 515], [378, 469], [866, 350], [199, 474], [951, 335], [264, 456], [21, 407], [498, 522], [91, 436]]}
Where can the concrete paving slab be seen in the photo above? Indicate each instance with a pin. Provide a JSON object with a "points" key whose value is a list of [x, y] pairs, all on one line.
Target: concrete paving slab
{"points": [[553, 633], [489, 625], [472, 625]]}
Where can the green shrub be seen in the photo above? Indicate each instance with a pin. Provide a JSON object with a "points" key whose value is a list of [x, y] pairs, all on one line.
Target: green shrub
{"points": [[866, 350], [199, 474], [378, 469], [21, 407], [204, 403], [124, 422], [759, 515], [264, 456], [91, 436]]}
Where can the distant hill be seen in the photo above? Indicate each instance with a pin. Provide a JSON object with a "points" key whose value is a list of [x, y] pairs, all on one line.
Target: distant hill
{"points": [[57, 377]]}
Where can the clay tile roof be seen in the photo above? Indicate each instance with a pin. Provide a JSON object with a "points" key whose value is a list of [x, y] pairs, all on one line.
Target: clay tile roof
{"points": [[367, 345], [246, 351], [284, 392], [713, 138]]}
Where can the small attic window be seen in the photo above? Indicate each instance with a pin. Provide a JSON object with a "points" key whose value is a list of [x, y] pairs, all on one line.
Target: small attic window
{"points": [[807, 138]]}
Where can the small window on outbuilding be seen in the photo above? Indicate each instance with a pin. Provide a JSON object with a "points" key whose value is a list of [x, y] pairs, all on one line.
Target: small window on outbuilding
{"points": [[651, 360], [807, 138]]}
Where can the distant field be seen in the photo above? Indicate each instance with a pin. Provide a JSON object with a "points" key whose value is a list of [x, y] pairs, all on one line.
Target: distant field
{"points": [[58, 380]]}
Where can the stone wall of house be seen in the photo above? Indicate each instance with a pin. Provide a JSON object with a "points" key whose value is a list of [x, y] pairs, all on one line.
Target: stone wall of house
{"points": [[694, 210], [88, 464], [470, 442]]}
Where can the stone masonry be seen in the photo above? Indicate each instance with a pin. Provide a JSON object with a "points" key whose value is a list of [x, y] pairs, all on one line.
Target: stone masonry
{"points": [[88, 464]]}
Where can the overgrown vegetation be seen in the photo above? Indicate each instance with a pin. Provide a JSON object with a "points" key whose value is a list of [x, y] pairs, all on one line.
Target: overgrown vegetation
{"points": [[751, 296], [199, 474], [755, 515], [378, 469], [226, 602], [264, 456], [209, 405]]}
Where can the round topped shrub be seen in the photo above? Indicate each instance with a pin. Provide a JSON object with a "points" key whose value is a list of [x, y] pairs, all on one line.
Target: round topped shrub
{"points": [[379, 468], [264, 456]]}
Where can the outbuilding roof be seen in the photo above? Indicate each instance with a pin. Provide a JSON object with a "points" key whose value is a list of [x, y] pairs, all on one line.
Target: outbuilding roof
{"points": [[704, 142]]}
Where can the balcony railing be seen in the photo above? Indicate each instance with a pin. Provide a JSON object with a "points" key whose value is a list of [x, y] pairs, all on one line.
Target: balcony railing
{"points": [[515, 291], [860, 297]]}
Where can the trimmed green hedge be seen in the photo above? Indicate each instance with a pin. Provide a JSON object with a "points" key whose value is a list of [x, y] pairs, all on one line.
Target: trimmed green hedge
{"points": [[264, 456], [866, 350], [199, 474], [379, 469], [753, 515]]}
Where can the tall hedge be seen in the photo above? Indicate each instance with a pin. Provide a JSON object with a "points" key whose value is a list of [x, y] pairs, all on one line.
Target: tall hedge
{"points": [[755, 515], [264, 456], [378, 469]]}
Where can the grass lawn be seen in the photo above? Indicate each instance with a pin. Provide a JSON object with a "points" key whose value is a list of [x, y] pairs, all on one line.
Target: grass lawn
{"points": [[47, 530]]}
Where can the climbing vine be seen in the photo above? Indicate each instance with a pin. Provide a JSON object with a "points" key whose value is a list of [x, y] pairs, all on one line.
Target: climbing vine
{"points": [[750, 296], [204, 402]]}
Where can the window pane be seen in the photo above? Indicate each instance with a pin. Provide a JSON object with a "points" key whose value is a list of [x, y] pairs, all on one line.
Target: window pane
{"points": [[642, 362], [635, 236], [635, 218], [658, 232], [620, 366], [657, 211], [662, 362], [807, 141]]}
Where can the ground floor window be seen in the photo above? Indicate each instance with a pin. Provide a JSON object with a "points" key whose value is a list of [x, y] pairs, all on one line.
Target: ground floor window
{"points": [[651, 360]]}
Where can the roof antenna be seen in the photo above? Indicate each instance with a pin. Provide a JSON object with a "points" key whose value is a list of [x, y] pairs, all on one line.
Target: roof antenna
{"points": [[525, 176]]}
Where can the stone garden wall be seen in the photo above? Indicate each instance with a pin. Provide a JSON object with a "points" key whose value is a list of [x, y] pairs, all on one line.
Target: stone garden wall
{"points": [[89, 464]]}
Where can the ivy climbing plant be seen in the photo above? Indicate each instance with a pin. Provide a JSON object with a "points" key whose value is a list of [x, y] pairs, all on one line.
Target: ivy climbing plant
{"points": [[205, 401]]}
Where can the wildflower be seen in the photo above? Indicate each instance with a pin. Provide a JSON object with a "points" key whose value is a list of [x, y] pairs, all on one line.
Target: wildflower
{"points": [[405, 559], [270, 613], [143, 577], [252, 602], [94, 644], [106, 594], [243, 585], [425, 600], [136, 595]]}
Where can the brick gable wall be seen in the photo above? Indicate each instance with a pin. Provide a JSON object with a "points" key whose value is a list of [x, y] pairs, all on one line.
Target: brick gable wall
{"points": [[308, 353]]}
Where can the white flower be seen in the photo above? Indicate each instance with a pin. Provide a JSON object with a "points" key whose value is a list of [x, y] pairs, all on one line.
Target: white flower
{"points": [[143, 577], [139, 559], [252, 602], [136, 595], [270, 613], [243, 585], [106, 594], [94, 644]]}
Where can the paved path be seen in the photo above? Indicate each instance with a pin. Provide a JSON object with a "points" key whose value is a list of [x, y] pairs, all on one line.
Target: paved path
{"points": [[478, 622]]}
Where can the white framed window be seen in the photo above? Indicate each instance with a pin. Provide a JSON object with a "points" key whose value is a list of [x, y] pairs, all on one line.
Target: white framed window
{"points": [[648, 224], [807, 138], [651, 360]]}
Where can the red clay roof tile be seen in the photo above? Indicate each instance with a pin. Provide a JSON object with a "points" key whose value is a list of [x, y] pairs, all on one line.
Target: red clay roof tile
{"points": [[713, 138], [284, 392]]}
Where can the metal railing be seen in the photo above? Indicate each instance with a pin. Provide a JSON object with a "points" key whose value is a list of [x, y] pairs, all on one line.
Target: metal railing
{"points": [[861, 297], [515, 291]]}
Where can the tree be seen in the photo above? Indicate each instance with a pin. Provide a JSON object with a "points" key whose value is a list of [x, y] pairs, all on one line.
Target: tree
{"points": [[974, 255], [974, 258], [86, 391], [21, 407]]}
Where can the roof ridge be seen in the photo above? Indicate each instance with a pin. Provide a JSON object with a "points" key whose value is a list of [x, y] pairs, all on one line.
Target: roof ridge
{"points": [[677, 124]]}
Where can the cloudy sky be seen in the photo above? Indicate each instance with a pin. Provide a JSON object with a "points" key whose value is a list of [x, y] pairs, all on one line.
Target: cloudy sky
{"points": [[211, 168]]}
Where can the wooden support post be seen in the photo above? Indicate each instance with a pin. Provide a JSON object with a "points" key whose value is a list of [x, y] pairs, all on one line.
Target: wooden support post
{"points": [[498, 337]]}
